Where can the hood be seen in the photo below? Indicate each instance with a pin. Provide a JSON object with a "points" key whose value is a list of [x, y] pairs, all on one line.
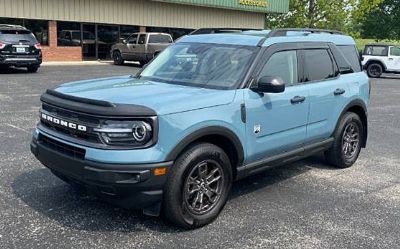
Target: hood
{"points": [[161, 97]]}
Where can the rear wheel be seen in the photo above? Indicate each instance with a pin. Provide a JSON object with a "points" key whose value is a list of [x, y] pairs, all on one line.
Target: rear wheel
{"points": [[33, 69], [117, 57], [348, 138], [375, 70], [142, 63], [198, 186]]}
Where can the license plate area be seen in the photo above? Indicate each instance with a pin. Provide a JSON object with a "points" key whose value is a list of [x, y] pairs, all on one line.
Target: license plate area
{"points": [[21, 48]]}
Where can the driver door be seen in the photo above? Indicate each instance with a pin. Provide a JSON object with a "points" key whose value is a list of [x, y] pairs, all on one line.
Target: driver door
{"points": [[131, 44], [277, 122], [393, 63]]}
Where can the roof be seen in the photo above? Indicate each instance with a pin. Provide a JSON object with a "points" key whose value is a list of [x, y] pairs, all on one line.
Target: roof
{"points": [[269, 37], [11, 27]]}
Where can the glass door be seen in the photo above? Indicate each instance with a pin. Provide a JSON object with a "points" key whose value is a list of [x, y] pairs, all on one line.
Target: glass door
{"points": [[107, 35], [89, 43]]}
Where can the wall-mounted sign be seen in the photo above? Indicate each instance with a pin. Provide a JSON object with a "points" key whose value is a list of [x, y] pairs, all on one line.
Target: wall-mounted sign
{"points": [[256, 3]]}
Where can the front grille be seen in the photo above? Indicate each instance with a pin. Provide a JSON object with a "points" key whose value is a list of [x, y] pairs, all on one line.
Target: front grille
{"points": [[64, 149], [79, 119]]}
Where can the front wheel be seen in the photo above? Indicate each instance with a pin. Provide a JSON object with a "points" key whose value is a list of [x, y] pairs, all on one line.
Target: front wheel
{"points": [[348, 139], [374, 70], [198, 186], [117, 57]]}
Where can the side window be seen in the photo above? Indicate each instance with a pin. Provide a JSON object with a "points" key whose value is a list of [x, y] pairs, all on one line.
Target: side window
{"points": [[376, 50], [319, 65], [132, 39], [142, 39], [395, 51], [283, 65], [351, 55], [160, 39]]}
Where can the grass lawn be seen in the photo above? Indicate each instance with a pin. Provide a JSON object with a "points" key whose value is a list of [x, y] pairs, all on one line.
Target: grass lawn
{"points": [[362, 42]]}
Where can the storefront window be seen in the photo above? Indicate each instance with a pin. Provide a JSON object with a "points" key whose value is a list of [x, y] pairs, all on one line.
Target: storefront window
{"points": [[126, 31], [174, 32], [69, 34], [40, 28]]}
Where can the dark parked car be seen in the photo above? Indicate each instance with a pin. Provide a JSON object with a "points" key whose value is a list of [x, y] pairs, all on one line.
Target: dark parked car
{"points": [[19, 48]]}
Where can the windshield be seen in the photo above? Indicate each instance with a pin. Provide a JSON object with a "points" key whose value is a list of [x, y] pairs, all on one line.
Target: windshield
{"points": [[201, 65], [11, 36]]}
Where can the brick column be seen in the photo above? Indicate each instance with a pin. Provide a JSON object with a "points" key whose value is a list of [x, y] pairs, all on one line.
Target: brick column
{"points": [[142, 29], [52, 34]]}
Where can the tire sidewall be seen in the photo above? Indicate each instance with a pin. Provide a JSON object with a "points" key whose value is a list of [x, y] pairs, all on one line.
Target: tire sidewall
{"points": [[118, 60], [177, 178], [369, 68], [348, 118]]}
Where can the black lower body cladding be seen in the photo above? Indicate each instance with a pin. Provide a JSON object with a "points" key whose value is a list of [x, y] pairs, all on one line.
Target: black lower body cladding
{"points": [[128, 186]]}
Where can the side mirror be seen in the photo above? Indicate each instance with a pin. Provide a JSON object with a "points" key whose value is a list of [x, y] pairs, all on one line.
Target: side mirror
{"points": [[269, 84], [123, 40], [346, 70]]}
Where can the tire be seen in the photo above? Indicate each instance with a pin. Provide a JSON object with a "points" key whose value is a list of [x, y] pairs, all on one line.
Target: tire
{"points": [[375, 70], [347, 145], [117, 57], [142, 63], [33, 69], [199, 162]]}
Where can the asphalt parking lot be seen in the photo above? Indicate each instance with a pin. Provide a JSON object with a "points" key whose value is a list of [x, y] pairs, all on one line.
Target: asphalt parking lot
{"points": [[303, 205]]}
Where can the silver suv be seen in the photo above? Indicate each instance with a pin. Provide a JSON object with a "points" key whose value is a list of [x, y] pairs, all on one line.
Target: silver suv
{"points": [[140, 47]]}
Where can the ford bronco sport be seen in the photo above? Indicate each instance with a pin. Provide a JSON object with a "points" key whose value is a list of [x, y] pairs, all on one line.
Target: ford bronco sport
{"points": [[381, 58], [19, 48], [208, 110]]}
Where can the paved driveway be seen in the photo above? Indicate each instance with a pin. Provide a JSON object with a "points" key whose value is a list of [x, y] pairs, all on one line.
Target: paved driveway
{"points": [[302, 205]]}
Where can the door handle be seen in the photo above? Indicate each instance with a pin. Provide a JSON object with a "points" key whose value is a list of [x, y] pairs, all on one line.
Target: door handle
{"points": [[391, 59], [339, 91], [297, 100]]}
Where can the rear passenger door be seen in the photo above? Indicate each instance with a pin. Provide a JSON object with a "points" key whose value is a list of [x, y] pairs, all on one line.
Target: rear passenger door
{"points": [[329, 92], [276, 122]]}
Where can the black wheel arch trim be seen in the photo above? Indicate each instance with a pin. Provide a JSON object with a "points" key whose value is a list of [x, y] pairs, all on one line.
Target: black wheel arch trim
{"points": [[357, 103], [375, 61], [208, 131]]}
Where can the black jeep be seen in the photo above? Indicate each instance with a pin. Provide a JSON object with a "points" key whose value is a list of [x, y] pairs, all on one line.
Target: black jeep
{"points": [[19, 48]]}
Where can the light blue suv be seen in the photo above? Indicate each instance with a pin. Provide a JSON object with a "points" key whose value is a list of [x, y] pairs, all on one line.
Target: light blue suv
{"points": [[209, 110]]}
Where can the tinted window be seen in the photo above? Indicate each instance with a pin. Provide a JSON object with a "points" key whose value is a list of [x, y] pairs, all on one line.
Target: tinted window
{"points": [[283, 65], [395, 51], [160, 39], [319, 65], [351, 55], [17, 36], [132, 39], [142, 39], [69, 34], [376, 50]]}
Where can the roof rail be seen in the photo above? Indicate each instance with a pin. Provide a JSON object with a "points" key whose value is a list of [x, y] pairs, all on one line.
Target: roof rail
{"points": [[283, 32], [203, 31]]}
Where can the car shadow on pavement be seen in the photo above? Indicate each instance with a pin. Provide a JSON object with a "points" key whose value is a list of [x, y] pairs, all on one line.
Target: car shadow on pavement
{"points": [[49, 196], [13, 70]]}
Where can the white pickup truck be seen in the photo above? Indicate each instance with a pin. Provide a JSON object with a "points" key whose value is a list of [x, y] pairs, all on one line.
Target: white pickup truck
{"points": [[381, 58]]}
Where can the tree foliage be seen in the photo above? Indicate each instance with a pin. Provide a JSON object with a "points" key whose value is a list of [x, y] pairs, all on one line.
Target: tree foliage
{"points": [[345, 15], [383, 22]]}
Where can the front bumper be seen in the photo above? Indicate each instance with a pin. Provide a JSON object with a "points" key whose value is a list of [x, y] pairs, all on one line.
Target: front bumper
{"points": [[128, 186]]}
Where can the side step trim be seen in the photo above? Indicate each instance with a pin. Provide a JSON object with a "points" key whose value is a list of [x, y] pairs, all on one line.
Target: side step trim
{"points": [[283, 158]]}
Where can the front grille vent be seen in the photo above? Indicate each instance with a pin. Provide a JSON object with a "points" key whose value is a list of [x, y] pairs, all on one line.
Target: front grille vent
{"points": [[62, 148]]}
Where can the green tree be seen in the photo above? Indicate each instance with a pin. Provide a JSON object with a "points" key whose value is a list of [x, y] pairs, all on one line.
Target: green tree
{"points": [[384, 22], [332, 14], [345, 15]]}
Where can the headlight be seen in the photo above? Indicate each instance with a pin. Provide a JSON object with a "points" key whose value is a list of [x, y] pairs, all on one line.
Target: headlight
{"points": [[126, 133]]}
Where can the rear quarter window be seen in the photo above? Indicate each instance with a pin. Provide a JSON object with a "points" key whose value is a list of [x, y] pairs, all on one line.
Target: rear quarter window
{"points": [[376, 50], [160, 39], [351, 55]]}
